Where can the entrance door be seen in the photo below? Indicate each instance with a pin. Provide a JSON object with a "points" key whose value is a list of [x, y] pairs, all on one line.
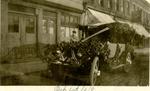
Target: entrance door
{"points": [[13, 36], [28, 33], [21, 30], [22, 34]]}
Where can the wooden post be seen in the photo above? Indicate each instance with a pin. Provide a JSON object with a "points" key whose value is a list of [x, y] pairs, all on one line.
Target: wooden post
{"points": [[58, 25], [38, 29], [0, 31]]}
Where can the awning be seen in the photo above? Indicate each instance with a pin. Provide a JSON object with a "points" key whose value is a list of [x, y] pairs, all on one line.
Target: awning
{"points": [[92, 17], [101, 17], [129, 23], [139, 29]]}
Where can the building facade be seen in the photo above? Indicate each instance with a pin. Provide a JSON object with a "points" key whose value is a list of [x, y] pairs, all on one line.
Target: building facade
{"points": [[27, 25], [128, 10]]}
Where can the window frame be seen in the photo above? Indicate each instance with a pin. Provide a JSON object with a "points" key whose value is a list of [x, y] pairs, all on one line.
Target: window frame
{"points": [[12, 15], [34, 25], [69, 26], [118, 5], [101, 3]]}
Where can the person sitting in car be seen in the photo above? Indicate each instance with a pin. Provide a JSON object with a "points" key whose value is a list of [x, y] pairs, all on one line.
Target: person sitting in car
{"points": [[74, 37]]}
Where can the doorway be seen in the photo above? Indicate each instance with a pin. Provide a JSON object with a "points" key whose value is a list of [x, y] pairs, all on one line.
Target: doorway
{"points": [[21, 34]]}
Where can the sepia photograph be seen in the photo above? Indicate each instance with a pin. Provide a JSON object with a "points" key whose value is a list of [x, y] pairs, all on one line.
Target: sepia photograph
{"points": [[74, 43]]}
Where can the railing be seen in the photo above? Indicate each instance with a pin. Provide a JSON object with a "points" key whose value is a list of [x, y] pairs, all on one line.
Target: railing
{"points": [[19, 53]]}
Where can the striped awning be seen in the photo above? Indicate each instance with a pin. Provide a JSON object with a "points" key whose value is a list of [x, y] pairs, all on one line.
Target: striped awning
{"points": [[92, 17], [139, 29], [101, 17]]}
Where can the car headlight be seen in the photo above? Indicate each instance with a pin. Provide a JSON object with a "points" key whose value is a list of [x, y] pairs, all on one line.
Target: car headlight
{"points": [[79, 54], [58, 51]]}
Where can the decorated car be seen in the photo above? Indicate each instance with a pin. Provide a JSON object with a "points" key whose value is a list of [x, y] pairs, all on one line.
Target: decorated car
{"points": [[106, 48]]}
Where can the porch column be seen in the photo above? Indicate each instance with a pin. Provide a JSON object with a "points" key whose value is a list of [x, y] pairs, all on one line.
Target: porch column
{"points": [[58, 26], [0, 31], [3, 27], [39, 17]]}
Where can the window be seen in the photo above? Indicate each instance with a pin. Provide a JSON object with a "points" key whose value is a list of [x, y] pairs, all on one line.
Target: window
{"points": [[75, 21], [67, 19], [128, 8], [92, 1], [30, 24], [109, 3], [149, 20], [44, 25], [48, 25], [69, 23], [117, 5], [121, 5], [71, 20], [131, 8], [134, 9], [13, 23], [101, 2], [62, 20]]}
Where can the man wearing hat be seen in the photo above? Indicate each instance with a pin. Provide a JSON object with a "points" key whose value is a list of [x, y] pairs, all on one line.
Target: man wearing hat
{"points": [[74, 37]]}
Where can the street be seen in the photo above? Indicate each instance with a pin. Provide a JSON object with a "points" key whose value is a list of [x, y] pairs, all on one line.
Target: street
{"points": [[138, 76]]}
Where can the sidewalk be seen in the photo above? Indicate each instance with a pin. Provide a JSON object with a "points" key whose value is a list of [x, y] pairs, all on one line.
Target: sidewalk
{"points": [[32, 65], [143, 51], [27, 72]]}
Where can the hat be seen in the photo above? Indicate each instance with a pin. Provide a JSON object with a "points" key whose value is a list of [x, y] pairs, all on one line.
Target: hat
{"points": [[74, 31]]}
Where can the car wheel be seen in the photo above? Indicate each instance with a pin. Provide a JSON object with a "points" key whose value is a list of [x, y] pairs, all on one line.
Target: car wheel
{"points": [[94, 72], [128, 64]]}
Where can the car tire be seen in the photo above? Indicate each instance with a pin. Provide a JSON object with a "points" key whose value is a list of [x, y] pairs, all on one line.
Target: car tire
{"points": [[94, 71], [128, 64]]}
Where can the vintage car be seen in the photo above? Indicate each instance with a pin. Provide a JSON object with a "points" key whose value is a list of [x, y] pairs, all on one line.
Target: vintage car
{"points": [[84, 60]]}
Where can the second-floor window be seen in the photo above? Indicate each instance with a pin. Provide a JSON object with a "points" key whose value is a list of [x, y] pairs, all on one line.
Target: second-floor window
{"points": [[121, 5], [117, 5], [101, 3], [128, 7], [109, 3]]}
